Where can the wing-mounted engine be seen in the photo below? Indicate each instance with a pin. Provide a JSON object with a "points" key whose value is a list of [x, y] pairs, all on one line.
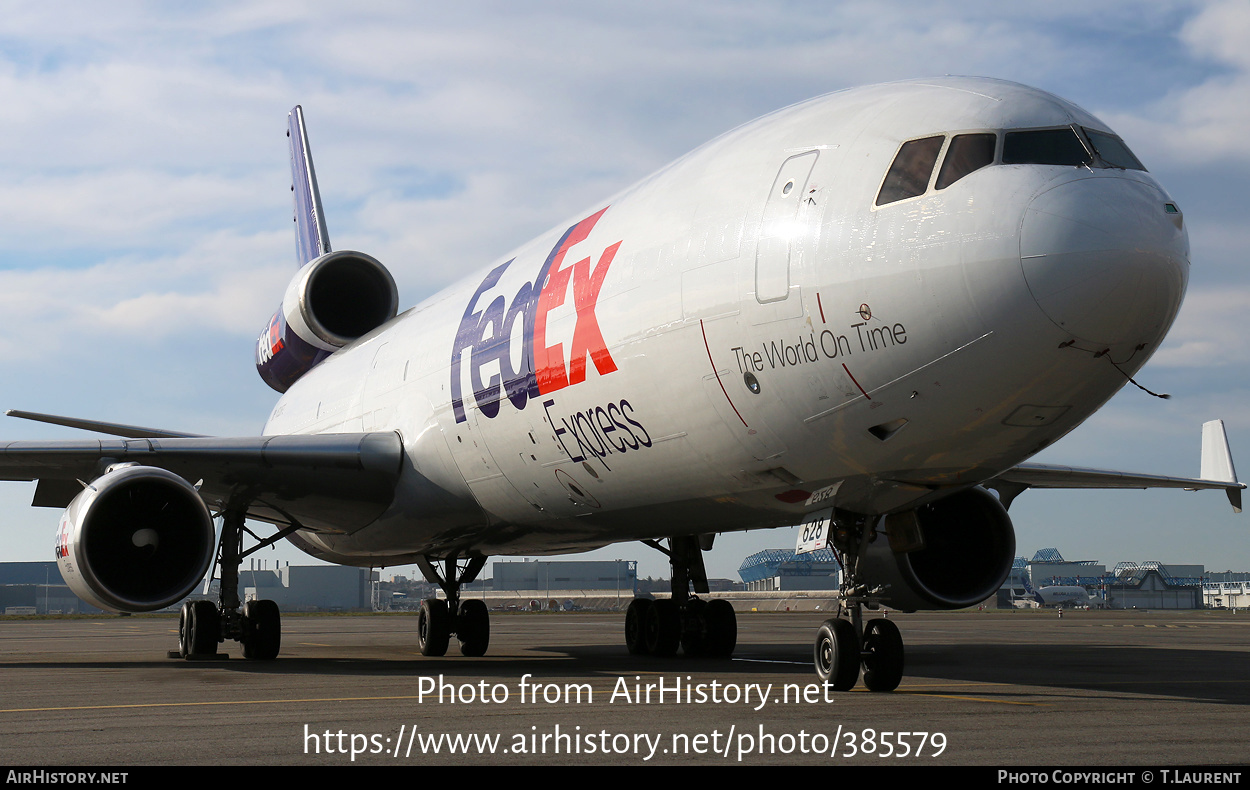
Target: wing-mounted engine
{"points": [[137, 539], [331, 301], [953, 553]]}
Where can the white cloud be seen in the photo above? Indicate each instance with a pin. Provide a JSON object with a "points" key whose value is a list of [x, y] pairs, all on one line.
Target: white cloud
{"points": [[1210, 330], [127, 208], [1203, 123], [223, 283]]}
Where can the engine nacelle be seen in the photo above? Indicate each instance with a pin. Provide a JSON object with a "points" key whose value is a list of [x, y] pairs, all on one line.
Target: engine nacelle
{"points": [[968, 548], [330, 302], [137, 539]]}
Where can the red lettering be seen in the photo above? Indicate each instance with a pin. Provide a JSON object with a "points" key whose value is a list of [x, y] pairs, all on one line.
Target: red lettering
{"points": [[549, 360], [587, 337]]}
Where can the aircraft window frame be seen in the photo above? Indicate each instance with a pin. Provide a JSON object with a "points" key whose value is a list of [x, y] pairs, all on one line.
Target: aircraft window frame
{"points": [[897, 162]]}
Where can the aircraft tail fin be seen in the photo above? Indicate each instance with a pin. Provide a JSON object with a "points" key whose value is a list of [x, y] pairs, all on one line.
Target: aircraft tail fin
{"points": [[312, 240], [313, 322], [1217, 460]]}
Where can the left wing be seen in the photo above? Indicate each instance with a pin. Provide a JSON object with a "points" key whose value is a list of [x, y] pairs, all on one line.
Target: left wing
{"points": [[1217, 472], [335, 482]]}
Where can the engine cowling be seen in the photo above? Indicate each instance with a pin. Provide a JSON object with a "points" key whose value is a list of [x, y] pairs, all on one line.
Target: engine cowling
{"points": [[968, 547], [137, 539], [331, 301]]}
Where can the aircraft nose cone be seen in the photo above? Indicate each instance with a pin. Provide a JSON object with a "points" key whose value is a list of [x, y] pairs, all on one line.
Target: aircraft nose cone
{"points": [[1105, 260]]}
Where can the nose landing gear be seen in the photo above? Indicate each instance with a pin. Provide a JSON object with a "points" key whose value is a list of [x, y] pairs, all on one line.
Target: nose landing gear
{"points": [[842, 646], [840, 650]]}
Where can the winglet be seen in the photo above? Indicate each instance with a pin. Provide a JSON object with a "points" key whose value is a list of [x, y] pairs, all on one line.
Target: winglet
{"points": [[1217, 460], [312, 240]]}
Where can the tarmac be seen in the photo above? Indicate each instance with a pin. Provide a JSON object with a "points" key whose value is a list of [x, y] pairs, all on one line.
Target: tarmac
{"points": [[1002, 688]]}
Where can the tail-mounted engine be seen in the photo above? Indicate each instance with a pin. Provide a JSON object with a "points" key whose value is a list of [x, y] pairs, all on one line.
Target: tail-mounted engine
{"points": [[953, 553], [332, 300], [137, 539]]}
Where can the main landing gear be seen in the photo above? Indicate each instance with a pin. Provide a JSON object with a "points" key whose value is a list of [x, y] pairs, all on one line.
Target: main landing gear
{"points": [[843, 646], [438, 620], [202, 625], [699, 627]]}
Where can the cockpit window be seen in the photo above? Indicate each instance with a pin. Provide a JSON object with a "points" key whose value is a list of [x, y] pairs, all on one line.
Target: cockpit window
{"points": [[1045, 147], [1112, 150], [909, 175], [967, 152]]}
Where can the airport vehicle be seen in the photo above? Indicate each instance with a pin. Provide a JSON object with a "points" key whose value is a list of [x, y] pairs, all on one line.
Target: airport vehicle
{"points": [[878, 303]]}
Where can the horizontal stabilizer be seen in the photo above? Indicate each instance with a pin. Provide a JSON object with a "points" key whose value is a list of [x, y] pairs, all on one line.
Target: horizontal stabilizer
{"points": [[1217, 473], [111, 428]]}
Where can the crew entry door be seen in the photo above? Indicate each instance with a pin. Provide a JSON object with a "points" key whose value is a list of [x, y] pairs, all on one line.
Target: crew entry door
{"points": [[780, 230]]}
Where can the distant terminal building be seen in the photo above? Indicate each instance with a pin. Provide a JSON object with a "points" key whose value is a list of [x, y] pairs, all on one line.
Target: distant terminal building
{"points": [[617, 575], [1153, 585], [1048, 568], [311, 588], [37, 588], [1226, 590], [1226, 595], [782, 569], [1129, 585]]}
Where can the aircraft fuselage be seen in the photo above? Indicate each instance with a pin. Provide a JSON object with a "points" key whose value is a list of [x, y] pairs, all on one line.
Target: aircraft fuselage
{"points": [[758, 322]]}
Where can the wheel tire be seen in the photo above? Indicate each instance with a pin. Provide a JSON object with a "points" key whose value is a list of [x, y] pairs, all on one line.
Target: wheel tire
{"points": [[663, 627], [433, 627], [836, 654], [203, 629], [636, 626], [883, 669], [695, 635], [722, 629], [262, 630], [473, 628], [184, 629]]}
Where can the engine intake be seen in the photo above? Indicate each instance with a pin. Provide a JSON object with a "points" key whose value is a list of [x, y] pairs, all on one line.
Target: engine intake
{"points": [[137, 539], [966, 547], [330, 302]]}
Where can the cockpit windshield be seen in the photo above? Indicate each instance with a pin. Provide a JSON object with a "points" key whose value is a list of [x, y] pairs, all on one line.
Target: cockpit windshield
{"points": [[910, 172], [967, 152], [1112, 150], [1045, 147], [909, 175]]}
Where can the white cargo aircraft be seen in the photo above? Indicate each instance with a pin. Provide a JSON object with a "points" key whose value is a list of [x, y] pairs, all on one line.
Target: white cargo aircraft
{"points": [[1060, 595], [877, 304], [1063, 595]]}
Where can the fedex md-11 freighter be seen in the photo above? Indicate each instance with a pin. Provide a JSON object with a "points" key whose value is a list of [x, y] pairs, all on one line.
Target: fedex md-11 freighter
{"points": [[863, 313]]}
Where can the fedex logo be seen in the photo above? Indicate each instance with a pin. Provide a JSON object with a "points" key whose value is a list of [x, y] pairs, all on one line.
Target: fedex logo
{"points": [[546, 364], [270, 342], [62, 538]]}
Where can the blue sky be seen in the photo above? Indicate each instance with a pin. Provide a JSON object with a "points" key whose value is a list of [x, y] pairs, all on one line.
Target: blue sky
{"points": [[145, 210]]}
